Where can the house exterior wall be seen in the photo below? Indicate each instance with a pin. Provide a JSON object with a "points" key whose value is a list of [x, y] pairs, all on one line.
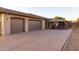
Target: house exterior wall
{"points": [[6, 23], [26, 24], [43, 24], [0, 17], [0, 23]]}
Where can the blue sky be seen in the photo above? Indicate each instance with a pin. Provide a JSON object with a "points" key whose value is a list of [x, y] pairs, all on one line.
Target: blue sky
{"points": [[50, 12]]}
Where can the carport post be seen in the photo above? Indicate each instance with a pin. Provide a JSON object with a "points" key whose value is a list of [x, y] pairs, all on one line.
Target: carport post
{"points": [[26, 24], [43, 24]]}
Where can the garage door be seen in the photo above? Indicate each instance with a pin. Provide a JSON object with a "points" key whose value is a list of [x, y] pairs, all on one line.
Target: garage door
{"points": [[34, 25], [17, 25]]}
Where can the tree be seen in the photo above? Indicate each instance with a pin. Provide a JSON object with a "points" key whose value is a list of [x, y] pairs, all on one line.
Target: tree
{"points": [[77, 19], [57, 18]]}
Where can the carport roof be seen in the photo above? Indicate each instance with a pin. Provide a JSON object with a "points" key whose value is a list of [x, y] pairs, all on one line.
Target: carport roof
{"points": [[9, 11]]}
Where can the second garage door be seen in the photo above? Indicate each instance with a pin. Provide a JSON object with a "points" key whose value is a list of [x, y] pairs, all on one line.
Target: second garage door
{"points": [[34, 25], [17, 25]]}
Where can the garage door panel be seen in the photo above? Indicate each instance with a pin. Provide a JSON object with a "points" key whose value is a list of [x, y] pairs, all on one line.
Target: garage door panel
{"points": [[34, 25], [17, 25]]}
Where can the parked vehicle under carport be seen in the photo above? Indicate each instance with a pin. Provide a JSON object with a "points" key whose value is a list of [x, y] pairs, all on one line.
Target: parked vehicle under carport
{"points": [[58, 25]]}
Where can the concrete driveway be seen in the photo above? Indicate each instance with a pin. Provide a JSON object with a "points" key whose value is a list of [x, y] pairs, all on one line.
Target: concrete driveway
{"points": [[41, 40]]}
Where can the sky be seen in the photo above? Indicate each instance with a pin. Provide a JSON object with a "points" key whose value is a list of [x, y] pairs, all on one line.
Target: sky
{"points": [[50, 12], [47, 8]]}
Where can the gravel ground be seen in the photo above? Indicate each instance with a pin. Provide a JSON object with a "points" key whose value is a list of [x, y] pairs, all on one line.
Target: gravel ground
{"points": [[73, 44]]}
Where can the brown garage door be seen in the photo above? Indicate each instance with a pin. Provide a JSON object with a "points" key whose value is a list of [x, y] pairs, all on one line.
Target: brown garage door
{"points": [[17, 25], [34, 25]]}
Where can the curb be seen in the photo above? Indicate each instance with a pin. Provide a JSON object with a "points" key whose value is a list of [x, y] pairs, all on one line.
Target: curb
{"points": [[67, 41]]}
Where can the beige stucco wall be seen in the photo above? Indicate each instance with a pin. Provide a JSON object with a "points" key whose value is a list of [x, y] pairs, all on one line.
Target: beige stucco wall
{"points": [[0, 17], [26, 21], [8, 23], [26, 24], [0, 23], [43, 24], [6, 29]]}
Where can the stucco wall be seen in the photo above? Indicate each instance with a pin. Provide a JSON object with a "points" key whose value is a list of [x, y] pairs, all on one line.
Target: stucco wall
{"points": [[6, 25], [0, 23], [0, 17], [7, 20], [43, 24]]}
